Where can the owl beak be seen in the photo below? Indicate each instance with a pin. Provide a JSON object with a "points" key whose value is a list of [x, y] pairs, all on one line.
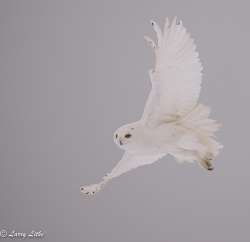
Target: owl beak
{"points": [[120, 141]]}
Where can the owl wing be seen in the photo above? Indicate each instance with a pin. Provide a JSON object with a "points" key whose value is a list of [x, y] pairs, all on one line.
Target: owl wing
{"points": [[131, 161], [176, 78], [128, 162]]}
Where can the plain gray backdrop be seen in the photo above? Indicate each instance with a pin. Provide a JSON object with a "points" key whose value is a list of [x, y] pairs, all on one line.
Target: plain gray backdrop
{"points": [[71, 72]]}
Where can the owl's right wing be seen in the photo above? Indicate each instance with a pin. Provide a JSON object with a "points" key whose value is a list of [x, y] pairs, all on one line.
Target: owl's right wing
{"points": [[176, 78]]}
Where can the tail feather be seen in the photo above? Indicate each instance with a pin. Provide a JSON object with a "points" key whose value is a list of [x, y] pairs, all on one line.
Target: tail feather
{"points": [[199, 120]]}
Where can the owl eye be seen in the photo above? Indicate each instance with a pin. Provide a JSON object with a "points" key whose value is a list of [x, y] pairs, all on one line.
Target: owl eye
{"points": [[116, 136], [127, 136]]}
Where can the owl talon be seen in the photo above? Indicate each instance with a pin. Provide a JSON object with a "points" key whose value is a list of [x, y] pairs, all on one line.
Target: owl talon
{"points": [[206, 162]]}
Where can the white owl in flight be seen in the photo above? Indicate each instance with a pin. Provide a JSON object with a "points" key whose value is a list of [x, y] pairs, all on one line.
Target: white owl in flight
{"points": [[173, 122]]}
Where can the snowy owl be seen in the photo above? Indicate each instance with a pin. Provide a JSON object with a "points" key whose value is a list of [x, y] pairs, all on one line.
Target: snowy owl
{"points": [[173, 122]]}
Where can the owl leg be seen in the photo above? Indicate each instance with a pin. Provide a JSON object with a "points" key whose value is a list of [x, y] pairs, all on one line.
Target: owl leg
{"points": [[206, 162]]}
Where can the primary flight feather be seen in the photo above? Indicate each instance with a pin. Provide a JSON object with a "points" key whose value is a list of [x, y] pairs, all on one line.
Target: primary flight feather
{"points": [[172, 122]]}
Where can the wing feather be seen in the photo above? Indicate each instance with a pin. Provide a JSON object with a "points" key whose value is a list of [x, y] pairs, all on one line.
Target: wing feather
{"points": [[131, 161], [176, 78]]}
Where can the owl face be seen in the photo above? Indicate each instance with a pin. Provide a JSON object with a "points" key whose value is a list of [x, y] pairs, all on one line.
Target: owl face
{"points": [[125, 136]]}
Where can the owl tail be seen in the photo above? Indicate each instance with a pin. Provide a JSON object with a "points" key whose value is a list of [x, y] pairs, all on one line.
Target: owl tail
{"points": [[198, 119]]}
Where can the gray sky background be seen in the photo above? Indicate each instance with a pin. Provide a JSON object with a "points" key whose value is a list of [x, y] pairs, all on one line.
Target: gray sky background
{"points": [[71, 72]]}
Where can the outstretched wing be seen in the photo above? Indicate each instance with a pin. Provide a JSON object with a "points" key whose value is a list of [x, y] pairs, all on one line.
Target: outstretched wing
{"points": [[131, 161], [176, 79], [128, 162]]}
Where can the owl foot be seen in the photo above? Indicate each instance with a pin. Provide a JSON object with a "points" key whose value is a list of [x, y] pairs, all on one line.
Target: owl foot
{"points": [[206, 162]]}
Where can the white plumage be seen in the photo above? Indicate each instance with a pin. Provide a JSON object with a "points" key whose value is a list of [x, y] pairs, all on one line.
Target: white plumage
{"points": [[172, 122]]}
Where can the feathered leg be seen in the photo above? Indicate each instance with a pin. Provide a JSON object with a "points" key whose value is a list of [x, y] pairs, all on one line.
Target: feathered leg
{"points": [[206, 162]]}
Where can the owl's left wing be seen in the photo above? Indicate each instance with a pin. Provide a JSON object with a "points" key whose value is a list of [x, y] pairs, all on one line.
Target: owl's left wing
{"points": [[176, 78], [128, 162], [131, 161]]}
